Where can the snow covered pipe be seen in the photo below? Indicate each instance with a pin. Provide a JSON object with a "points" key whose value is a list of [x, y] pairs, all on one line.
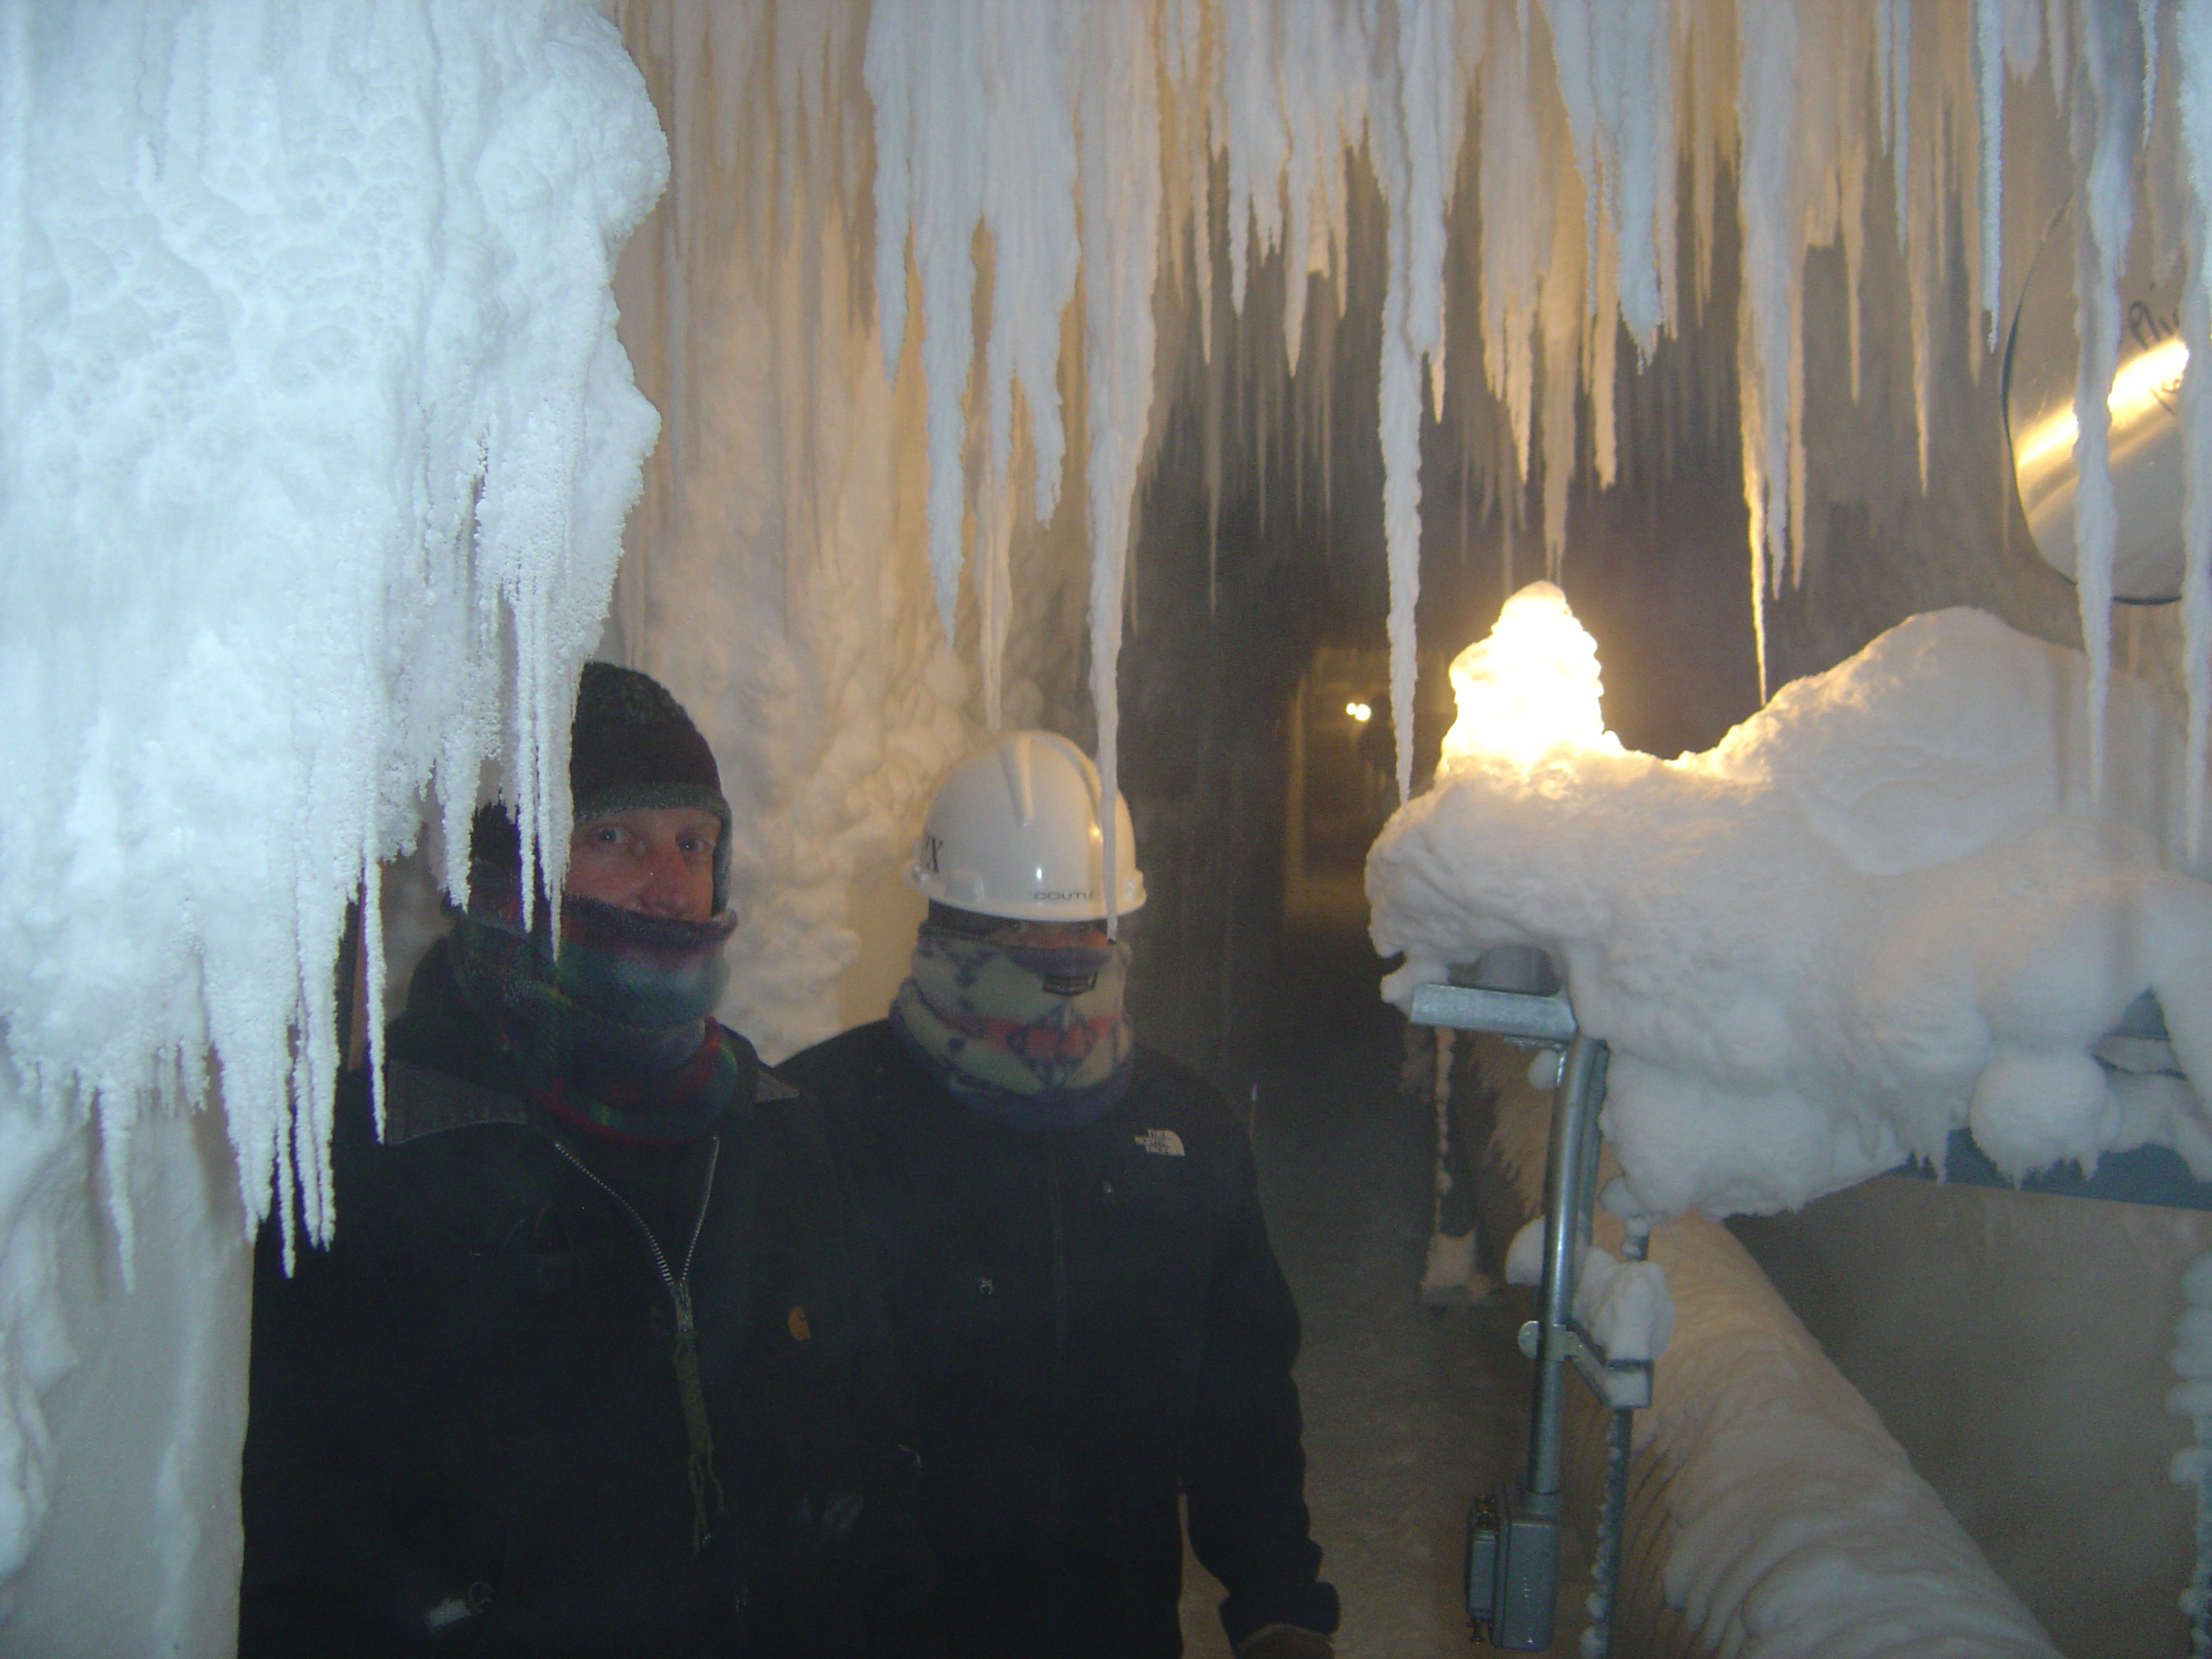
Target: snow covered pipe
{"points": [[1770, 1513]]}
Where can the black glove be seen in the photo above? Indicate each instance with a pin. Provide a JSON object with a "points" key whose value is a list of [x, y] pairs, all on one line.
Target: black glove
{"points": [[1284, 1642]]}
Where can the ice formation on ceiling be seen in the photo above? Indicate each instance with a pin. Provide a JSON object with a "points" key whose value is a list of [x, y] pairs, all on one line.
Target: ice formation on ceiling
{"points": [[1879, 909], [1031, 152], [776, 581], [315, 445]]}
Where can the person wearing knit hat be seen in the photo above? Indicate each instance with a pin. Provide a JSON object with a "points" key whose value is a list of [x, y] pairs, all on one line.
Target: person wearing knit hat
{"points": [[593, 1364]]}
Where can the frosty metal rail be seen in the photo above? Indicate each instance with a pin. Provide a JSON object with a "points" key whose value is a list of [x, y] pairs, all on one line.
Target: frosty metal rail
{"points": [[1513, 1533]]}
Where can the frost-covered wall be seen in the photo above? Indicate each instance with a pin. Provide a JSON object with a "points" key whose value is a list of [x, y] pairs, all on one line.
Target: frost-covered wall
{"points": [[1552, 177], [315, 445], [1035, 214]]}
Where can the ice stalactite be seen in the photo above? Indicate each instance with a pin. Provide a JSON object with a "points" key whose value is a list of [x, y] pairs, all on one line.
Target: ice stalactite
{"points": [[1768, 41], [976, 141], [1415, 134], [1119, 164], [320, 447], [930, 160], [1517, 238], [1581, 117], [2105, 116], [1989, 91]]}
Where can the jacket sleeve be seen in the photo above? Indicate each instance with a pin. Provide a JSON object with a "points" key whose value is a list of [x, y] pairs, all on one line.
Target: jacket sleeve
{"points": [[1245, 1466]]}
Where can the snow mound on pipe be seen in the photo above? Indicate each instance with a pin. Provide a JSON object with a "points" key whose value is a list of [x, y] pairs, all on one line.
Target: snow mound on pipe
{"points": [[1876, 911]]}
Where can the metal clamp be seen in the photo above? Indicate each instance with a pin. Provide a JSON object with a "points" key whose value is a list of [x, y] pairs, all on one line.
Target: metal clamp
{"points": [[1621, 1385]]}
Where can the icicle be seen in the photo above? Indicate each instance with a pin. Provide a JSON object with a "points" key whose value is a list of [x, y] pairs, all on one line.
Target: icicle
{"points": [[2104, 123], [1601, 359], [1898, 134], [1989, 86], [1572, 51], [1884, 52], [936, 65], [1767, 44], [1119, 171], [1854, 227], [1417, 151], [1030, 207], [1516, 239], [2194, 33], [2147, 34], [332, 620], [1641, 139], [890, 67]]}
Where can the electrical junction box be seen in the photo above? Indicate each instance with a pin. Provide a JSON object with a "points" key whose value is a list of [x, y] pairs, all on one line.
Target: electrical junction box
{"points": [[1512, 1570]]}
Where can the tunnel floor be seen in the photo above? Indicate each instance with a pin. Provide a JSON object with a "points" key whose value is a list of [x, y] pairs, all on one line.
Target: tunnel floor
{"points": [[1409, 1410]]}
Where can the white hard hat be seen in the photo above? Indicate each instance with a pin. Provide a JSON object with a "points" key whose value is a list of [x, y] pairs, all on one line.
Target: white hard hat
{"points": [[1014, 831]]}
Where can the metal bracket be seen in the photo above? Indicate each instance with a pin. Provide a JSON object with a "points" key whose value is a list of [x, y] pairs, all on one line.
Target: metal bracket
{"points": [[1621, 1385], [1548, 1021]]}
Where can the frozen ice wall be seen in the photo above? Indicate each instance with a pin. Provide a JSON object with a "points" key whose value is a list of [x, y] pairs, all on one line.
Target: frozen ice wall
{"points": [[1012, 211], [315, 445], [775, 579], [1879, 909]]}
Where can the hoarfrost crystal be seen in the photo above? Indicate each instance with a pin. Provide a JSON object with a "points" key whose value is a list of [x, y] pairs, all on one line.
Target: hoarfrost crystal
{"points": [[319, 448]]}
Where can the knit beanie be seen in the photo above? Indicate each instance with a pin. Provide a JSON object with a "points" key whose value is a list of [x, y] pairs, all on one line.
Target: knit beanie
{"points": [[631, 746]]}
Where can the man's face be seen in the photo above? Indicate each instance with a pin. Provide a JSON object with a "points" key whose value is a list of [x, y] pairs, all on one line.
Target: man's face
{"points": [[656, 861]]}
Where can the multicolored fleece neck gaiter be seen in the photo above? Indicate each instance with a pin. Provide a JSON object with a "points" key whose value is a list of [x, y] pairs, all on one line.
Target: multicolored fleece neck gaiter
{"points": [[1031, 1039], [615, 1035]]}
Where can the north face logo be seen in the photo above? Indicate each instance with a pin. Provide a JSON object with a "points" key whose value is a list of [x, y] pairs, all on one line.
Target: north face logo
{"points": [[1164, 1143]]}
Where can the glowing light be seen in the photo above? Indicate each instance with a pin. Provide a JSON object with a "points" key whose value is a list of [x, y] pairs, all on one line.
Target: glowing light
{"points": [[1530, 690], [2150, 381], [1359, 711]]}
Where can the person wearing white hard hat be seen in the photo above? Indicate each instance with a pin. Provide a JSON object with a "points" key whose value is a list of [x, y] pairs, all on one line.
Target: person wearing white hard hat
{"points": [[1090, 1320]]}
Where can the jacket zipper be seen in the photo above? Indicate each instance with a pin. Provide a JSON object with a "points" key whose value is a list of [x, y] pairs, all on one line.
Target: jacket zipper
{"points": [[699, 1466], [678, 1284]]}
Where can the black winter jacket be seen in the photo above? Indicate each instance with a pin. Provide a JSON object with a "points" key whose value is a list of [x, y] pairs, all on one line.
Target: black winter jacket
{"points": [[1091, 1321], [464, 1431]]}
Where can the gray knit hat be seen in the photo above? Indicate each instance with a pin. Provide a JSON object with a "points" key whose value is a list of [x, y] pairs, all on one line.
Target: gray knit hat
{"points": [[631, 746]]}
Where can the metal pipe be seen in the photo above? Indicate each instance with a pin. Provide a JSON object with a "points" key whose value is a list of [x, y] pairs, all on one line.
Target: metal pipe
{"points": [[1568, 1174]]}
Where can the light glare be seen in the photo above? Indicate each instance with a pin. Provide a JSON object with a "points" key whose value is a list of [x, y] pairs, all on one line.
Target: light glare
{"points": [[2150, 381], [1531, 689]]}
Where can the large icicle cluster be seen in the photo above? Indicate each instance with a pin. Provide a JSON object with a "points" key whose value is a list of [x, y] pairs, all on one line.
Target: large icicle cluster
{"points": [[1052, 148], [774, 581], [315, 445]]}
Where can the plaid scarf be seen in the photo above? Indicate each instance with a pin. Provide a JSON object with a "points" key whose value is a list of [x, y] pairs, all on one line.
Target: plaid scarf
{"points": [[1030, 1039], [615, 1037]]}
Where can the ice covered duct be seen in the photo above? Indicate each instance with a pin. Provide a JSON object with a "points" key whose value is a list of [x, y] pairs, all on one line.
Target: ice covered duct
{"points": [[1880, 909], [1529, 691]]}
